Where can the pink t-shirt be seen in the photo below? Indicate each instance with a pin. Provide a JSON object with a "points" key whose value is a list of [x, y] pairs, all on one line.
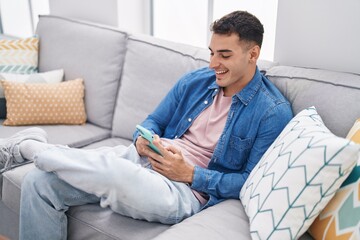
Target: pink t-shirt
{"points": [[198, 143]]}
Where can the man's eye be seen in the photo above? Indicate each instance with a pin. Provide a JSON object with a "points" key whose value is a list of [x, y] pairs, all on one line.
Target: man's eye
{"points": [[223, 56], [211, 54]]}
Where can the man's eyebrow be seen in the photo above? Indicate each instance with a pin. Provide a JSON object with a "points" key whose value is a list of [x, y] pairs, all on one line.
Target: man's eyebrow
{"points": [[221, 50]]}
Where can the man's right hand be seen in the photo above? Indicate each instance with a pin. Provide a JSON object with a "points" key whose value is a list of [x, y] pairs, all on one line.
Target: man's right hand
{"points": [[142, 147]]}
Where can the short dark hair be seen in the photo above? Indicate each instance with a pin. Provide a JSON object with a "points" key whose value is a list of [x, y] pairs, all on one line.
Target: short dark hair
{"points": [[244, 24]]}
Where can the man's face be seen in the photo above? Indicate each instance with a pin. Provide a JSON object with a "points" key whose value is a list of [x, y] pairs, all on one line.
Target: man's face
{"points": [[232, 61]]}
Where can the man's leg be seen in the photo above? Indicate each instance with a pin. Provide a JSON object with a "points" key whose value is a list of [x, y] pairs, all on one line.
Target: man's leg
{"points": [[44, 200], [119, 179]]}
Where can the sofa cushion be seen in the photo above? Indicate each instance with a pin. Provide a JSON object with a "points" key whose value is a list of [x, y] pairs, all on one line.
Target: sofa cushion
{"points": [[152, 66], [297, 176], [71, 135], [93, 222], [226, 220], [84, 50], [43, 103], [334, 94], [19, 55], [54, 76], [341, 216]]}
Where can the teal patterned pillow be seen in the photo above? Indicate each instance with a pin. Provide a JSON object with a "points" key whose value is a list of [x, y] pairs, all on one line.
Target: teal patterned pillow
{"points": [[19, 55], [295, 179]]}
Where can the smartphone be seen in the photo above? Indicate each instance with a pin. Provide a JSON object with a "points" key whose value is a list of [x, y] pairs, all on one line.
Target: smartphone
{"points": [[148, 136]]}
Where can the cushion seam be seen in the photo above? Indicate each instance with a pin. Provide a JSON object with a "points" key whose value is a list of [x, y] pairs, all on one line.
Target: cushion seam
{"points": [[92, 227], [172, 50], [313, 80], [84, 23]]}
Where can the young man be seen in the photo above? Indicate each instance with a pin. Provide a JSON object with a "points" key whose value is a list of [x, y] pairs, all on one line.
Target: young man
{"points": [[211, 129]]}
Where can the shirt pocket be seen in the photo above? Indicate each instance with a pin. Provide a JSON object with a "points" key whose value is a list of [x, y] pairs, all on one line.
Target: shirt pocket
{"points": [[238, 152]]}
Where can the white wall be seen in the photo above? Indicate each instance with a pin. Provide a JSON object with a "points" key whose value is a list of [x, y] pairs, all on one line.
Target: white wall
{"points": [[265, 10], [16, 13], [187, 21], [128, 15], [182, 21], [104, 12], [134, 15], [319, 34]]}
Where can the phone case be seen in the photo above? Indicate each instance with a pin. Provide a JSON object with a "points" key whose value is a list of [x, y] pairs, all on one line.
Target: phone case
{"points": [[148, 136]]}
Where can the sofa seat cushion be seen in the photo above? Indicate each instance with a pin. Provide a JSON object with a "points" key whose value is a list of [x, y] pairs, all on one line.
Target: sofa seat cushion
{"points": [[226, 220], [71, 135], [334, 94], [93, 222], [11, 186]]}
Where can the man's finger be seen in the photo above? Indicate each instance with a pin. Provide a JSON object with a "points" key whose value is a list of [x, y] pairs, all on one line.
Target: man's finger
{"points": [[173, 149]]}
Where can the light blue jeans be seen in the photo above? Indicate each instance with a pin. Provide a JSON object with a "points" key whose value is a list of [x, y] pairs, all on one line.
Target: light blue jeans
{"points": [[115, 177]]}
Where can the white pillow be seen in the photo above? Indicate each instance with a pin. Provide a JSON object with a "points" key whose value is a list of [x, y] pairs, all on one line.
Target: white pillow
{"points": [[296, 178], [54, 76]]}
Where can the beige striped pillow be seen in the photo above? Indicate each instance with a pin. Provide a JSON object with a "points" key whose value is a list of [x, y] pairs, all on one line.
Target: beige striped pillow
{"points": [[19, 55]]}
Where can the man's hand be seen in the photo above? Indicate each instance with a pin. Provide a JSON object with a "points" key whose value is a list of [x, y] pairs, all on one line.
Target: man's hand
{"points": [[171, 164], [142, 146]]}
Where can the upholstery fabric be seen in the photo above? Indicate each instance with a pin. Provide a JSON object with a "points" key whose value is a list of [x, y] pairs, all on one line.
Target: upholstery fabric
{"points": [[341, 217], [19, 55], [152, 66], [43, 103], [92, 52], [54, 76], [94, 222], [328, 91], [296, 178]]}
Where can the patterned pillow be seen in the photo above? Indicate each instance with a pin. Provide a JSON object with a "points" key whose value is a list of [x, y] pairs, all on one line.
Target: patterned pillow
{"points": [[341, 217], [296, 178], [44, 103], [55, 76], [19, 55]]}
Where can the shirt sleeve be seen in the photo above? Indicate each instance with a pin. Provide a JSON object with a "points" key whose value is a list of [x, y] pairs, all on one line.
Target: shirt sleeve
{"points": [[159, 119], [228, 185]]}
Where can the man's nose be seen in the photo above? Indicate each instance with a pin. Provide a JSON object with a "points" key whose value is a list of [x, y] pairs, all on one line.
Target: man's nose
{"points": [[214, 62]]}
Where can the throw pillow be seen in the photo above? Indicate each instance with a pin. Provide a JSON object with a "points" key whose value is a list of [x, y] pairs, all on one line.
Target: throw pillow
{"points": [[341, 217], [55, 76], [19, 55], [44, 103], [296, 178]]}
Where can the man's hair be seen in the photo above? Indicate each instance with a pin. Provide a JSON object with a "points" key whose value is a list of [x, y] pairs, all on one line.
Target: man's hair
{"points": [[244, 24]]}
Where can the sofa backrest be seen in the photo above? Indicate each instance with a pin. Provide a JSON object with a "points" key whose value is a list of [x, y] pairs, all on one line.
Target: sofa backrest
{"points": [[335, 95], [151, 68], [89, 51]]}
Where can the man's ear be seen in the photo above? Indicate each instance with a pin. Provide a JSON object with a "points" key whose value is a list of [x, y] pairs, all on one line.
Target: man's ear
{"points": [[254, 54]]}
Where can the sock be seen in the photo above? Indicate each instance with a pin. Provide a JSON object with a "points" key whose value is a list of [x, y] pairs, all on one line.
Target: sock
{"points": [[29, 148]]}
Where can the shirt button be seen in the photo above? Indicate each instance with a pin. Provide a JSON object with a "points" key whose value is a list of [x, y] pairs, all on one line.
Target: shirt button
{"points": [[176, 136], [189, 119], [206, 102]]}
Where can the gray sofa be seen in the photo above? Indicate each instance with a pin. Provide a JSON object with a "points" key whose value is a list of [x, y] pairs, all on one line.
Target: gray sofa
{"points": [[126, 75]]}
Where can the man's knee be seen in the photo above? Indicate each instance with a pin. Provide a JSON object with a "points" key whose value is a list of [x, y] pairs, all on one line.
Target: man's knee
{"points": [[35, 180]]}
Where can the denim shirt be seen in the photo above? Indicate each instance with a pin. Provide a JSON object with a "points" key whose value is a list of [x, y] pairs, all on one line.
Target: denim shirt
{"points": [[257, 115]]}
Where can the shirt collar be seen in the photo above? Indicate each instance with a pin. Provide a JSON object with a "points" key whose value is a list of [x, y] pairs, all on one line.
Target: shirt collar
{"points": [[249, 91]]}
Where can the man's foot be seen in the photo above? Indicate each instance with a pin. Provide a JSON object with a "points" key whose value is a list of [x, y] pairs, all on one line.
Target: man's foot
{"points": [[9, 147]]}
